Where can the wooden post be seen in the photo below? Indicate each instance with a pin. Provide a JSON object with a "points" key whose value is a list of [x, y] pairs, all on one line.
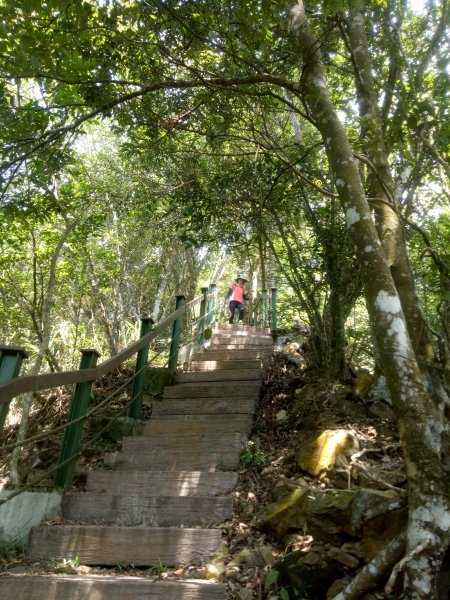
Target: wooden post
{"points": [[11, 358], [176, 336], [135, 409], [73, 433], [274, 309], [202, 318]]}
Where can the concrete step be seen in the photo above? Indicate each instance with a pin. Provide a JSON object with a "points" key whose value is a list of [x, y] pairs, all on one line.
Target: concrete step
{"points": [[161, 511], [216, 375], [164, 483], [110, 545], [205, 406], [246, 389], [192, 442], [100, 587], [215, 426], [223, 365]]}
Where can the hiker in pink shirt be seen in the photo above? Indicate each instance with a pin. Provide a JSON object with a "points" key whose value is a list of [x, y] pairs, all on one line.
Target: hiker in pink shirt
{"points": [[236, 296]]}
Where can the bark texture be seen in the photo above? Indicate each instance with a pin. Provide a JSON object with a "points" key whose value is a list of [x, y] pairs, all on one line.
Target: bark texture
{"points": [[422, 431]]}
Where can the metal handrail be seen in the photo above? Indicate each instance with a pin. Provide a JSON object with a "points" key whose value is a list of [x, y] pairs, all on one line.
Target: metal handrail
{"points": [[36, 383]]}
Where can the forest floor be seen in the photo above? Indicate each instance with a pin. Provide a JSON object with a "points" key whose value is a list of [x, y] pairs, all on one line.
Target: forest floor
{"points": [[255, 559]]}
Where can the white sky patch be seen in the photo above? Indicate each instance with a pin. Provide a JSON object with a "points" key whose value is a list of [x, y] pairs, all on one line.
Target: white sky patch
{"points": [[351, 216], [418, 6], [342, 116], [368, 249]]}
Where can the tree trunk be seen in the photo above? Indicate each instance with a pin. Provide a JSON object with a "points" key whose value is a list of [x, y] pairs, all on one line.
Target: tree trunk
{"points": [[421, 428]]}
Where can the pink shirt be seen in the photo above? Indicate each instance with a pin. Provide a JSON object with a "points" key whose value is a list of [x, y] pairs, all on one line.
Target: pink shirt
{"points": [[238, 292]]}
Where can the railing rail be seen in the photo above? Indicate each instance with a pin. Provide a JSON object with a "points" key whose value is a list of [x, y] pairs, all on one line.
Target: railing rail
{"points": [[35, 383]]}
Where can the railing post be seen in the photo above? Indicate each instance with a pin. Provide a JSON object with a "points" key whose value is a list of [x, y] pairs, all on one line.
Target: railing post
{"points": [[138, 381], [264, 308], [211, 305], [201, 322], [11, 358], [73, 433], [176, 335], [274, 309]]}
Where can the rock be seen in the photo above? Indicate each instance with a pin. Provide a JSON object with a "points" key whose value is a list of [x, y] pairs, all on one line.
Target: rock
{"points": [[303, 396], [353, 548], [245, 594], [332, 446], [254, 557], [343, 557], [286, 513], [343, 399], [155, 380], [110, 459], [115, 428], [337, 586], [311, 581], [382, 410], [364, 381], [215, 568]]}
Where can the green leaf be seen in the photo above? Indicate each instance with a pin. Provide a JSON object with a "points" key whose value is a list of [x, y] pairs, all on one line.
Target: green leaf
{"points": [[270, 579], [284, 594]]}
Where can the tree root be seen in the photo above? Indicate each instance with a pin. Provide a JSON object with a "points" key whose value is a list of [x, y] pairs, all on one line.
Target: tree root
{"points": [[372, 574]]}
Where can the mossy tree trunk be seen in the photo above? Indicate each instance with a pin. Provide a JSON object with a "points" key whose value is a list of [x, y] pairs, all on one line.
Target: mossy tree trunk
{"points": [[421, 426]]}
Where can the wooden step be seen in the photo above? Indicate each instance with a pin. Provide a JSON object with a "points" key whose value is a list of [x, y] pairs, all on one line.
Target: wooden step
{"points": [[216, 375], [236, 327], [204, 406], [239, 346], [223, 365], [216, 426], [172, 483], [102, 587], [205, 417], [204, 442], [110, 545], [202, 459], [161, 511], [246, 389], [220, 355], [243, 338]]}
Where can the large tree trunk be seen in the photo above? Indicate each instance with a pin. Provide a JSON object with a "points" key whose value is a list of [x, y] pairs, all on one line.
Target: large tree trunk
{"points": [[422, 431], [382, 189]]}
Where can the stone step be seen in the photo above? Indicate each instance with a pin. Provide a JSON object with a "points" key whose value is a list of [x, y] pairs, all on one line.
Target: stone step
{"points": [[164, 483], [160, 511], [204, 406], [215, 426], [223, 365], [216, 375], [247, 389], [237, 354], [203, 442], [102, 587], [202, 459], [110, 545]]}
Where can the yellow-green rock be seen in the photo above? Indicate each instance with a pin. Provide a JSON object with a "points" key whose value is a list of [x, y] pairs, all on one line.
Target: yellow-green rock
{"points": [[286, 513], [332, 447]]}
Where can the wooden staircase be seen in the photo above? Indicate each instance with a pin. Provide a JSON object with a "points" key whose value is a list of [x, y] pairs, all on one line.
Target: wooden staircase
{"points": [[167, 491]]}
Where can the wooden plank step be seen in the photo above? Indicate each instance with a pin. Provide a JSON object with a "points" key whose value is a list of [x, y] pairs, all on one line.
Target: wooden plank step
{"points": [[220, 338], [204, 406], [241, 346], [247, 389], [110, 545], [206, 417], [216, 375], [216, 426], [236, 327], [100, 587], [180, 460], [223, 365], [204, 442], [160, 511], [164, 483], [220, 355]]}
